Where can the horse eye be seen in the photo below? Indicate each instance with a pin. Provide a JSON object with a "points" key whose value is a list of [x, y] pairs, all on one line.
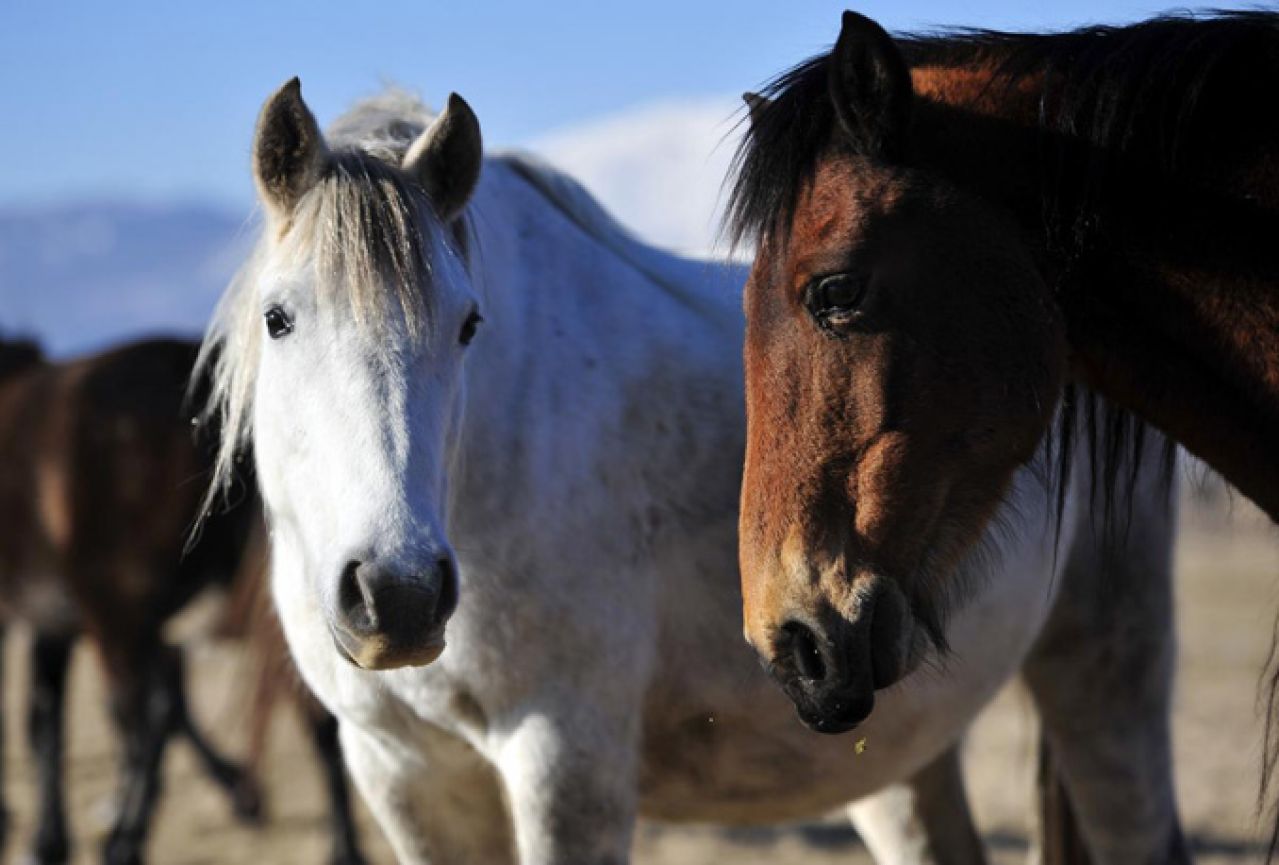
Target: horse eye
{"points": [[469, 327], [833, 300], [278, 323], [839, 292]]}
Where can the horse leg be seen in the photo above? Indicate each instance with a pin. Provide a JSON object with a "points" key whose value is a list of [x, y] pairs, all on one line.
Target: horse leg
{"points": [[50, 659], [1101, 675], [324, 736], [240, 786], [923, 821], [142, 699], [572, 783], [1059, 840], [435, 798]]}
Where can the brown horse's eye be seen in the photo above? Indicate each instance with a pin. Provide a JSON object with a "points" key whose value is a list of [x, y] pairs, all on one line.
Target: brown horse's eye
{"points": [[278, 323], [469, 327], [833, 300]]}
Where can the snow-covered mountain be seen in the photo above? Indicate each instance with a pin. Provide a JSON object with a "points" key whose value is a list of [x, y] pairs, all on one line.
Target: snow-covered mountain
{"points": [[83, 275]]}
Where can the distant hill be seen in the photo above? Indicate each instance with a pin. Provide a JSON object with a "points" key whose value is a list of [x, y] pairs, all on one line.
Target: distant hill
{"points": [[86, 274], [81, 275]]}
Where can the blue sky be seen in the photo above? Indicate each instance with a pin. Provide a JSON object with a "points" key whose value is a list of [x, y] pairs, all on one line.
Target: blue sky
{"points": [[156, 100]]}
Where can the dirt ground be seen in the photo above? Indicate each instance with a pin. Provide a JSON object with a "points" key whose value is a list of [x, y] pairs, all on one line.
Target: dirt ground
{"points": [[1228, 573]]}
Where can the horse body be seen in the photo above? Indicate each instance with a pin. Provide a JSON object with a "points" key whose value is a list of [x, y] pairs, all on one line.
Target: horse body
{"points": [[585, 486]]}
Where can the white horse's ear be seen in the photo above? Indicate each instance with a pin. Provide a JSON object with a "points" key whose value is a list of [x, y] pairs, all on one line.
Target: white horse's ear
{"points": [[446, 158], [289, 154], [756, 105]]}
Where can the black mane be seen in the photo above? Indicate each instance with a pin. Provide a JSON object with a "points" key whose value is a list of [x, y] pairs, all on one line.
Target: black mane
{"points": [[1134, 90]]}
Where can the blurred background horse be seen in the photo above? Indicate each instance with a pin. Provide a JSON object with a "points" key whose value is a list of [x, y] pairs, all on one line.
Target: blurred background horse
{"points": [[102, 476]]}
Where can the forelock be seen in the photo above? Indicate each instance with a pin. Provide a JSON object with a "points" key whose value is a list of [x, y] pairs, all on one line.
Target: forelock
{"points": [[366, 227]]}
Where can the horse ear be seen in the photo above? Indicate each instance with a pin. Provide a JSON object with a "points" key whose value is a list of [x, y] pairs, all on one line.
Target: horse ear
{"points": [[756, 106], [870, 87], [289, 154], [446, 158]]}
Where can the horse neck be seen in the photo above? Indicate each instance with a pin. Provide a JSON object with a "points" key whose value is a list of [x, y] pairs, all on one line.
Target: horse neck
{"points": [[546, 284], [1170, 292], [575, 337]]}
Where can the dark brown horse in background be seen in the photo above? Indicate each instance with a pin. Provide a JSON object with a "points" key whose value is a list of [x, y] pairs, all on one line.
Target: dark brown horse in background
{"points": [[101, 478], [954, 231]]}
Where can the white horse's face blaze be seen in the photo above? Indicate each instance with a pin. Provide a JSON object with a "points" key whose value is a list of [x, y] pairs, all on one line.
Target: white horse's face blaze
{"points": [[366, 310], [352, 431]]}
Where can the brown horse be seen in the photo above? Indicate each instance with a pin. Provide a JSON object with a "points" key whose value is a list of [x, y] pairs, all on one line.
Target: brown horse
{"points": [[952, 232], [101, 478]]}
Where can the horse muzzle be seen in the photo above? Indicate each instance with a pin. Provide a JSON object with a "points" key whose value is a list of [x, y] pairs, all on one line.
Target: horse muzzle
{"points": [[831, 665], [386, 620]]}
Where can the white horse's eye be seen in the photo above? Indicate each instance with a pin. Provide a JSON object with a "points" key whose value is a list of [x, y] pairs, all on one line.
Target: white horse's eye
{"points": [[278, 323], [469, 327]]}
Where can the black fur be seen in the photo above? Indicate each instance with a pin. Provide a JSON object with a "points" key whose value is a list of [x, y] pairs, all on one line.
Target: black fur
{"points": [[870, 89]]}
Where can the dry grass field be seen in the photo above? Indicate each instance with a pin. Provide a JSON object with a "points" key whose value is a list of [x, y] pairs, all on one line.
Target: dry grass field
{"points": [[1228, 583]]}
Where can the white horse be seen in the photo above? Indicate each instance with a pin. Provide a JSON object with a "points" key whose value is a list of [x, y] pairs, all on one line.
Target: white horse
{"points": [[569, 485]]}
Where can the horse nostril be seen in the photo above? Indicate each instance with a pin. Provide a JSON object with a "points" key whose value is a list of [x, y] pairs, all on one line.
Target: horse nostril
{"points": [[447, 602], [804, 652], [353, 600]]}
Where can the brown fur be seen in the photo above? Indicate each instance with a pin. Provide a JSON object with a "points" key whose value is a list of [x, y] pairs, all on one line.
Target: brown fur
{"points": [[833, 465]]}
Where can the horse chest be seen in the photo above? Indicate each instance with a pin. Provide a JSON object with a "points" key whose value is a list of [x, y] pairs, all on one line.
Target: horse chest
{"points": [[722, 743]]}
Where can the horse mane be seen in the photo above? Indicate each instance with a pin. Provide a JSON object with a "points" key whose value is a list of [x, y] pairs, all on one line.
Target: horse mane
{"points": [[362, 225], [570, 198], [566, 195]]}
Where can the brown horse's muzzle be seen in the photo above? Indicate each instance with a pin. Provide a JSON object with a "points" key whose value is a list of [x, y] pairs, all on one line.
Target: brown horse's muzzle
{"points": [[830, 663], [385, 620]]}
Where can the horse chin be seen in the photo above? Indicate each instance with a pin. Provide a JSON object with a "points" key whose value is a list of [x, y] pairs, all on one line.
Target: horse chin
{"points": [[840, 716], [890, 647], [378, 654]]}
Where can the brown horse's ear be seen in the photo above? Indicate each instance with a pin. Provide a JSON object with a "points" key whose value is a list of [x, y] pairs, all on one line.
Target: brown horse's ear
{"points": [[756, 106], [446, 158], [870, 87], [289, 154]]}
